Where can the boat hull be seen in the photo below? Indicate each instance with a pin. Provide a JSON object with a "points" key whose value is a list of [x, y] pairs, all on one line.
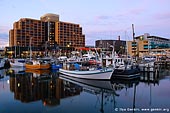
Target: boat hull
{"points": [[94, 74], [132, 73], [37, 66], [54, 66], [17, 64]]}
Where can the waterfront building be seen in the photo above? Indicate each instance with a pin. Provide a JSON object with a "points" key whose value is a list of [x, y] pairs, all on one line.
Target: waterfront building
{"points": [[50, 29], [69, 35], [144, 45], [26, 33], [46, 34], [26, 30], [119, 45]]}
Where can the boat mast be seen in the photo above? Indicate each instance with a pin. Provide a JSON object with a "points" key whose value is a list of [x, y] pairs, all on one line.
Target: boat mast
{"points": [[30, 48], [133, 35], [126, 47], [15, 51]]}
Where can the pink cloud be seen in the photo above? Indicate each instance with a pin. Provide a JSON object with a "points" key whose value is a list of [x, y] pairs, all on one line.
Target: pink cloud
{"points": [[136, 11], [131, 12], [162, 16], [103, 17], [4, 29], [3, 42]]}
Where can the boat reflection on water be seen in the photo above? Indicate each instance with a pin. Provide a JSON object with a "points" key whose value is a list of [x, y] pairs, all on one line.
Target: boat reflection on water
{"points": [[99, 88], [128, 84], [104, 90], [38, 73], [50, 88], [54, 93]]}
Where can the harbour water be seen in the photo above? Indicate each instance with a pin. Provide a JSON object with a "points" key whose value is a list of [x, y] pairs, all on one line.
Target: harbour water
{"points": [[33, 91]]}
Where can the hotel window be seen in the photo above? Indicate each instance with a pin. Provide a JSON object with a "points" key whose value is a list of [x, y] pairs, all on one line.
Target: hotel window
{"points": [[134, 45], [133, 48], [145, 46]]}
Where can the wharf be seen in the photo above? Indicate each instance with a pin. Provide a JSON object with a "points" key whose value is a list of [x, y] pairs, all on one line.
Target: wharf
{"points": [[148, 68], [156, 66], [165, 63]]}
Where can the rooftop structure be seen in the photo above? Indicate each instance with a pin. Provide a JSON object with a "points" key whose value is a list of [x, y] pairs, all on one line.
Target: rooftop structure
{"points": [[50, 17]]}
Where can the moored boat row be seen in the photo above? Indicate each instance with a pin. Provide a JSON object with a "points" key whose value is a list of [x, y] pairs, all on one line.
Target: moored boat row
{"points": [[89, 66], [118, 66]]}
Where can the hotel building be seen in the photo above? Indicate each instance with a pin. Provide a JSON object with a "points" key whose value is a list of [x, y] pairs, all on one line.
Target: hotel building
{"points": [[27, 30], [48, 33]]}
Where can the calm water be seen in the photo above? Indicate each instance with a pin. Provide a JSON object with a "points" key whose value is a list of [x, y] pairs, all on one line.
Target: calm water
{"points": [[47, 92]]}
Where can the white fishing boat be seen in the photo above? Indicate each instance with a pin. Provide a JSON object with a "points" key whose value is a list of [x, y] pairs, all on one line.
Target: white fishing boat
{"points": [[102, 74], [17, 62], [89, 72]]}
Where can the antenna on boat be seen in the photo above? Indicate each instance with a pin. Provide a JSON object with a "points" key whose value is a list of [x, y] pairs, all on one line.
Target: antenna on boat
{"points": [[133, 32], [30, 48], [133, 35]]}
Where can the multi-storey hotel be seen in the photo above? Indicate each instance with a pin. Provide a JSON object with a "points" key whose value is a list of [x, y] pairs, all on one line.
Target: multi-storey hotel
{"points": [[48, 33], [148, 45], [69, 34], [27, 31]]}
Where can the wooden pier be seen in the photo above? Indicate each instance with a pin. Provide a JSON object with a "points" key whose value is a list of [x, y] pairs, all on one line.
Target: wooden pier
{"points": [[162, 63], [157, 65], [150, 77]]}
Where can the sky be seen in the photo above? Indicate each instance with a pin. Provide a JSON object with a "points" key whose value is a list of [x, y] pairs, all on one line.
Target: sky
{"points": [[99, 19]]}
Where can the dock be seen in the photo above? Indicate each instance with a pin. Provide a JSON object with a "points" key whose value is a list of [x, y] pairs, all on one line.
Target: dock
{"points": [[163, 63]]}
